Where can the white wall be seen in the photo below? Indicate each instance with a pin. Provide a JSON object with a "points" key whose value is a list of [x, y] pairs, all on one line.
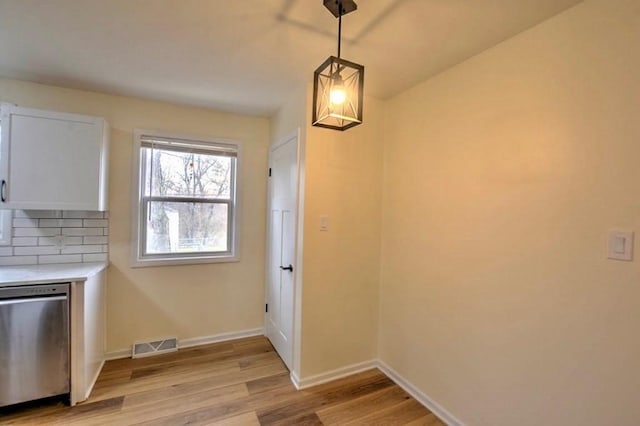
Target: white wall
{"points": [[502, 177], [183, 301]]}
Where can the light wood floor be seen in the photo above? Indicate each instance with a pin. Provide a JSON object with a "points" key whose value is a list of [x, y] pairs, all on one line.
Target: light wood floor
{"points": [[242, 382]]}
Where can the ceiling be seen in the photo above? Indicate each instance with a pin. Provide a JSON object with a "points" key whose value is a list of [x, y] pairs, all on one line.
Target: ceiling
{"points": [[246, 56]]}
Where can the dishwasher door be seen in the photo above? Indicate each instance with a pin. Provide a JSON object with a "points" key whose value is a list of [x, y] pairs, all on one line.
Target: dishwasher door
{"points": [[34, 345]]}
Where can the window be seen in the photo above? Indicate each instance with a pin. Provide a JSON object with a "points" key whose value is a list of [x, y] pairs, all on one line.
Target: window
{"points": [[186, 207]]}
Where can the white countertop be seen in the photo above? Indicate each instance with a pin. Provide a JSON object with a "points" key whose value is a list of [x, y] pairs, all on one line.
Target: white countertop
{"points": [[42, 274]]}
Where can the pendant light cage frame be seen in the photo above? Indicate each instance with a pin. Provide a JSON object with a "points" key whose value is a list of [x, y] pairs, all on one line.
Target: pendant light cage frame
{"points": [[349, 113], [337, 75]]}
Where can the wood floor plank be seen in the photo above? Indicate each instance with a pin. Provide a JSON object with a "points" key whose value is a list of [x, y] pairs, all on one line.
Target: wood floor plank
{"points": [[174, 369], [220, 412], [399, 414], [309, 419], [322, 397], [354, 409], [163, 408], [226, 372], [71, 415], [269, 383], [242, 382], [249, 341], [427, 420], [32, 411], [157, 382], [154, 395], [246, 419]]}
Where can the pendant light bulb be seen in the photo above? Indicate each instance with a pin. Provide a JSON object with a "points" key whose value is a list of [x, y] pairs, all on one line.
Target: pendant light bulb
{"points": [[338, 93]]}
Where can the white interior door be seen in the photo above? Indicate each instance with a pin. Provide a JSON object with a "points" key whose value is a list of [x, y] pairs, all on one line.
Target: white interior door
{"points": [[283, 188]]}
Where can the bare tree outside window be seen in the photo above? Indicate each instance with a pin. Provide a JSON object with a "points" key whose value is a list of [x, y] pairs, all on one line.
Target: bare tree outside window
{"points": [[188, 200]]}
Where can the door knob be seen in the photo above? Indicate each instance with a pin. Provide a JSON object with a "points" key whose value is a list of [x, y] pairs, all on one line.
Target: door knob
{"points": [[287, 268]]}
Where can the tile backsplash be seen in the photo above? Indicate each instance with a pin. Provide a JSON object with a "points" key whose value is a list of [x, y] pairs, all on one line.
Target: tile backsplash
{"points": [[55, 236]]}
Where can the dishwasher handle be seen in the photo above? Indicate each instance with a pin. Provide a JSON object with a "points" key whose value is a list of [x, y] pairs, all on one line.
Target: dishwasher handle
{"points": [[6, 302]]}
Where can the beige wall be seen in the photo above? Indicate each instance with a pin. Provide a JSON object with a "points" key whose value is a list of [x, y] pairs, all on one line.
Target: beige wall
{"points": [[502, 177], [341, 266], [183, 301], [339, 272], [291, 116]]}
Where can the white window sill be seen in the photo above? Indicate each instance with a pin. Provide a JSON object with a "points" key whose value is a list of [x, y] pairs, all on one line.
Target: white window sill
{"points": [[168, 261]]}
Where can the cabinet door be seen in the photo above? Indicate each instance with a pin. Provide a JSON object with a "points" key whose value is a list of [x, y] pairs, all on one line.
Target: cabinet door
{"points": [[52, 160]]}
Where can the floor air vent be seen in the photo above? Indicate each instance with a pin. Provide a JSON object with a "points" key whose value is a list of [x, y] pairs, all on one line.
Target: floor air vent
{"points": [[157, 347]]}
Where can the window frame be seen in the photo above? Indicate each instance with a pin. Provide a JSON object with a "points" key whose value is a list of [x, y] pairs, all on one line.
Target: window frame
{"points": [[140, 203]]}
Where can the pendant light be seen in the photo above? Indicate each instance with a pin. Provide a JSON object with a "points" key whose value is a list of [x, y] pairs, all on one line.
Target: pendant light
{"points": [[337, 83]]}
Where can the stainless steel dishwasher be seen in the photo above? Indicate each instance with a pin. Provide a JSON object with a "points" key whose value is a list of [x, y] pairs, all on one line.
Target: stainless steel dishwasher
{"points": [[34, 342]]}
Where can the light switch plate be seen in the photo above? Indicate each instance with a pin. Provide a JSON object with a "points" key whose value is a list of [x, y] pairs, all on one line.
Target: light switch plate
{"points": [[620, 245], [324, 223]]}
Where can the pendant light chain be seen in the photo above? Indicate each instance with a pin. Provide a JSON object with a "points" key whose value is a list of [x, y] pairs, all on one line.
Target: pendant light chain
{"points": [[339, 25]]}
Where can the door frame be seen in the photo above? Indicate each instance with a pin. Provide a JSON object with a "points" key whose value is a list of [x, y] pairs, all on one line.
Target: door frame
{"points": [[297, 276]]}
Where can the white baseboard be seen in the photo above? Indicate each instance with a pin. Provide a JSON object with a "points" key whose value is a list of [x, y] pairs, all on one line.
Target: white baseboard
{"points": [[328, 376], [349, 370], [422, 398], [196, 341], [119, 354], [221, 337]]}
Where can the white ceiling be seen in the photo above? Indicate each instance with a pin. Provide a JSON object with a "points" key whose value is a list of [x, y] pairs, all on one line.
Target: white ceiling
{"points": [[245, 55]]}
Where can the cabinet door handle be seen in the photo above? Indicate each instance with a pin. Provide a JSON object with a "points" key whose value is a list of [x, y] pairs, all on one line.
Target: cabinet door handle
{"points": [[287, 268], [2, 189]]}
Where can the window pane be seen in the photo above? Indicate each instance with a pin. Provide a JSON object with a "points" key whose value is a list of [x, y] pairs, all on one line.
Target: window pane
{"points": [[186, 227], [185, 174]]}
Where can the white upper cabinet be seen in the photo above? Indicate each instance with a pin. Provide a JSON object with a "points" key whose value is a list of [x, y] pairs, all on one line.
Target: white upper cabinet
{"points": [[52, 160]]}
